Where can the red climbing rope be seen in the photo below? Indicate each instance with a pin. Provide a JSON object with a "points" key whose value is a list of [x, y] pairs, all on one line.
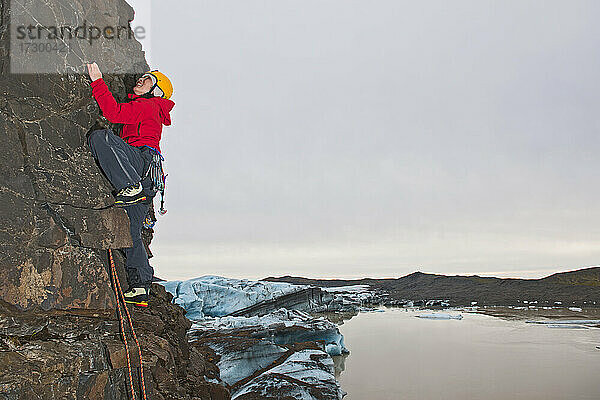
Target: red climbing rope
{"points": [[121, 298]]}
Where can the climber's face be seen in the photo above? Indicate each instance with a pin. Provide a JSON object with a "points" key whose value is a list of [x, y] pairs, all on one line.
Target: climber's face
{"points": [[143, 85]]}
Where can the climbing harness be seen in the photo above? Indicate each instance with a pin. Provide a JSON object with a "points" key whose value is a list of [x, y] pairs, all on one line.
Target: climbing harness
{"points": [[157, 175], [121, 298]]}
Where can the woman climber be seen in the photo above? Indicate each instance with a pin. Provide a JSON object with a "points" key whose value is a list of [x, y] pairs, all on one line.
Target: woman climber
{"points": [[132, 161]]}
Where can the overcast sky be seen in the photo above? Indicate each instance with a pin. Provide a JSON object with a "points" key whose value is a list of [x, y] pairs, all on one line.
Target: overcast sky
{"points": [[339, 138]]}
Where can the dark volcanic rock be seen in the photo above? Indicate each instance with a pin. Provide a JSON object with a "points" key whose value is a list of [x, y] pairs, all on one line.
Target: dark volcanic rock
{"points": [[80, 355], [59, 334], [55, 203]]}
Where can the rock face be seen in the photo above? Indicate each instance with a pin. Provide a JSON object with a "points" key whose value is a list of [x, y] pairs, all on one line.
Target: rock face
{"points": [[55, 204], [59, 333]]}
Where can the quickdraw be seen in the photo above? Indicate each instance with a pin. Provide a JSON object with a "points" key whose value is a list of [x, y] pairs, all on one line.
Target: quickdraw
{"points": [[158, 177]]}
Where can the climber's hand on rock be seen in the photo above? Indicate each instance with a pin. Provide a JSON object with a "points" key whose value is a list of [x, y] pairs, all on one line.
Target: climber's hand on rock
{"points": [[94, 71]]}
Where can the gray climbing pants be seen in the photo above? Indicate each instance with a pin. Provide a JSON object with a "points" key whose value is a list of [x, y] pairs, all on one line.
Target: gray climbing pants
{"points": [[125, 165]]}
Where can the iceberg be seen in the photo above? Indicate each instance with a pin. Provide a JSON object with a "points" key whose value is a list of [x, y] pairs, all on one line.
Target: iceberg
{"points": [[274, 351], [348, 289], [307, 374], [236, 365], [287, 351], [565, 326], [216, 296], [351, 297], [439, 316], [281, 327]]}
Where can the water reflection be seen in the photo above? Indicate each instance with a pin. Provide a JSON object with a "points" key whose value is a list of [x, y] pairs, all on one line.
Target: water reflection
{"points": [[394, 355], [339, 364]]}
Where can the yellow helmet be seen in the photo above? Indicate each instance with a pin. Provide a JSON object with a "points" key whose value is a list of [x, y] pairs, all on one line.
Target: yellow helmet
{"points": [[162, 85]]}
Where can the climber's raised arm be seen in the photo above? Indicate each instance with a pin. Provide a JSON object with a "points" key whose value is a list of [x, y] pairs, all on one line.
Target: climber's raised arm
{"points": [[119, 113]]}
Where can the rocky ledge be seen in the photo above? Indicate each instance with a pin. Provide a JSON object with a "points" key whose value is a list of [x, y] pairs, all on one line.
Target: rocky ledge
{"points": [[79, 354]]}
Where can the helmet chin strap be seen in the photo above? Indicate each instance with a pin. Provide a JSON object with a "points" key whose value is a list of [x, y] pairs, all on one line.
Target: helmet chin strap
{"points": [[151, 91]]}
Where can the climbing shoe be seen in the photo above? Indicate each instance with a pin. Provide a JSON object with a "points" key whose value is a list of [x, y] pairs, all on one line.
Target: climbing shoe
{"points": [[130, 195], [137, 296]]}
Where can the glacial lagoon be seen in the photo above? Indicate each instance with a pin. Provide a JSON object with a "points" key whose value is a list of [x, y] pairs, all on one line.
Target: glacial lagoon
{"points": [[394, 355]]}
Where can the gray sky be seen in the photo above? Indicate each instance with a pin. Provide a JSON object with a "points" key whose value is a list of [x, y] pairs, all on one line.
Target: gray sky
{"points": [[375, 138]]}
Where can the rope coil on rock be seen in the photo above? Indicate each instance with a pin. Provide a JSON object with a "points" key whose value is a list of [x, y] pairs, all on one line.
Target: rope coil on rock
{"points": [[121, 299]]}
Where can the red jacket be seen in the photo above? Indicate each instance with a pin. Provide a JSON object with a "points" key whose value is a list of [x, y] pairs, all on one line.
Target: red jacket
{"points": [[143, 118]]}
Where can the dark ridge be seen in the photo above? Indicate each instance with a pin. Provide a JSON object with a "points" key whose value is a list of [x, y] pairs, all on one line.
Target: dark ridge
{"points": [[578, 287]]}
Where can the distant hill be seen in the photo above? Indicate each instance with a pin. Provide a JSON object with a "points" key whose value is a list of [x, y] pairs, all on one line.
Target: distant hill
{"points": [[583, 277], [574, 287]]}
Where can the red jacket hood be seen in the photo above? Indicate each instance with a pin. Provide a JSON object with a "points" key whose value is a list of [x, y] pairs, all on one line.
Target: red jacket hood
{"points": [[165, 106]]}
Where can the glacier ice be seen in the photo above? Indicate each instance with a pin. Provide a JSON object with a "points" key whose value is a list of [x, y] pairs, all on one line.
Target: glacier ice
{"points": [[565, 326], [216, 296], [349, 289], [313, 369], [439, 316], [283, 327], [285, 352], [237, 365]]}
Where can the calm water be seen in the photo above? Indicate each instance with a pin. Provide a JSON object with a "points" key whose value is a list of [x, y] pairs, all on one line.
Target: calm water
{"points": [[394, 355]]}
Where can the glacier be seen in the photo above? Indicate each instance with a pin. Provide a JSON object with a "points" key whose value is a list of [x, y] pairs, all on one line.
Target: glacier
{"points": [[216, 296], [285, 352], [300, 376], [282, 327]]}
